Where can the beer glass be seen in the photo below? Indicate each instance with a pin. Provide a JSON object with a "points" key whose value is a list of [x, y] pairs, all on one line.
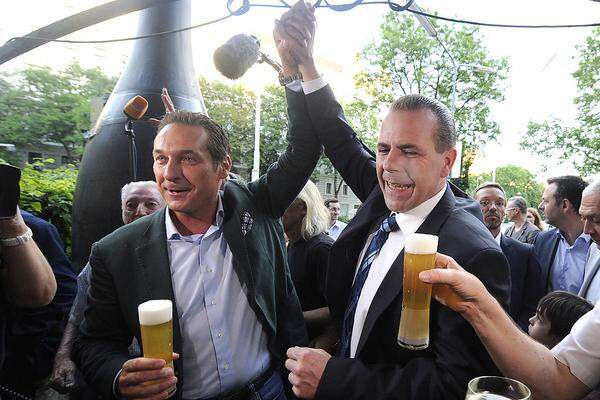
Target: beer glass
{"points": [[419, 255], [496, 388], [156, 324]]}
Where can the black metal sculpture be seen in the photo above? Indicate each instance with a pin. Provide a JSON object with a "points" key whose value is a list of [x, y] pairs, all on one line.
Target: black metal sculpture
{"points": [[155, 62]]}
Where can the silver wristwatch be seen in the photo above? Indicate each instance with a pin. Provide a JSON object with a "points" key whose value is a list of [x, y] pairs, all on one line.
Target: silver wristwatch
{"points": [[17, 240]]}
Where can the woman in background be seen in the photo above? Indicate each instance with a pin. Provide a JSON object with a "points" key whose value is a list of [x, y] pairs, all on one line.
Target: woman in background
{"points": [[533, 216]]}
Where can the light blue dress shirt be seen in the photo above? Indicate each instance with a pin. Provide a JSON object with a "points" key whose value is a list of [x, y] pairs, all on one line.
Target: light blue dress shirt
{"points": [[569, 263], [224, 345]]}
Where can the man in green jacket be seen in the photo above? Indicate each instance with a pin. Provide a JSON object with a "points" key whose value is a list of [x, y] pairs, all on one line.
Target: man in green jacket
{"points": [[218, 255]]}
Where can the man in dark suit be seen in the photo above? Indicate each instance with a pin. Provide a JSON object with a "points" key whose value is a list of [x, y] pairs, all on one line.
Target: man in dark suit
{"points": [[219, 256], [405, 186], [563, 250], [526, 288]]}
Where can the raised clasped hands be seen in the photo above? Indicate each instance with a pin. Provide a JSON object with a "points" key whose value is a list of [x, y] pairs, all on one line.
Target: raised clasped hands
{"points": [[294, 36]]}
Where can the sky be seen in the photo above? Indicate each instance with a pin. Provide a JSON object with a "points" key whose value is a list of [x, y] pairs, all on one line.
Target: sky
{"points": [[539, 85]]}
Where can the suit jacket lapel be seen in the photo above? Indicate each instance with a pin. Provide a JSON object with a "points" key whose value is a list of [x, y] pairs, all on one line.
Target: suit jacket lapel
{"points": [[550, 254], [153, 262], [391, 286], [592, 268], [232, 232], [347, 249]]}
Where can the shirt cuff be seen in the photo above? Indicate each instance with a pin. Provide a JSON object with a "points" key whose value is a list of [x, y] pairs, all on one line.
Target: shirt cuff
{"points": [[314, 85], [114, 386], [294, 86]]}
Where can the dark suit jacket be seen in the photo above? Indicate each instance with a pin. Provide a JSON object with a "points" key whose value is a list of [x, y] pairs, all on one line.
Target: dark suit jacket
{"points": [[131, 266], [525, 274], [546, 244], [382, 369]]}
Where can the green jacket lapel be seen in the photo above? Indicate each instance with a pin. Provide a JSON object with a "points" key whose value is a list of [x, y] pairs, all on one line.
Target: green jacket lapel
{"points": [[153, 262]]}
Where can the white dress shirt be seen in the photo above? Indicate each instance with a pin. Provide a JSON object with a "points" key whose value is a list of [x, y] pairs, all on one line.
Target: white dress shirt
{"points": [[580, 350], [408, 222], [335, 229], [224, 345]]}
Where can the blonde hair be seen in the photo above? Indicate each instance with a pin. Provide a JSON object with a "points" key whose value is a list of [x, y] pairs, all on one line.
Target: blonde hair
{"points": [[316, 220]]}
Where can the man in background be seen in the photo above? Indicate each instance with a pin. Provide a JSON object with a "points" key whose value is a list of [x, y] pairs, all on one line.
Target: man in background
{"points": [[521, 229], [562, 251], [526, 289], [590, 214], [335, 225]]}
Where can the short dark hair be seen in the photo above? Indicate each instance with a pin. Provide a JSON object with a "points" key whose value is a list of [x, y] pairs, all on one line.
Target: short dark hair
{"points": [[568, 187], [562, 310], [485, 185], [329, 201], [520, 203], [217, 144], [445, 137]]}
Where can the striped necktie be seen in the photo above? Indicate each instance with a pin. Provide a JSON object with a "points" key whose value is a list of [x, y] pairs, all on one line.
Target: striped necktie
{"points": [[388, 225]]}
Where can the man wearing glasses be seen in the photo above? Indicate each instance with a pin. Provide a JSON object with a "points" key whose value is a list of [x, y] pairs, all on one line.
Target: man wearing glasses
{"points": [[526, 289], [521, 229]]}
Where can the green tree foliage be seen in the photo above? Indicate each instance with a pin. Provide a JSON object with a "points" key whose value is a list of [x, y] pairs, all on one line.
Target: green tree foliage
{"points": [[406, 60], [38, 104], [232, 106], [516, 181], [48, 193], [579, 143]]}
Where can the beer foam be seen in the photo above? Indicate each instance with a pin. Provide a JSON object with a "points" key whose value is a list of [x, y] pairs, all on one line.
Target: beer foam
{"points": [[420, 243], [155, 312]]}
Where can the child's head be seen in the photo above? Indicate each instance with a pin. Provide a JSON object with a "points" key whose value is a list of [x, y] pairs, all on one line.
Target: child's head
{"points": [[556, 314]]}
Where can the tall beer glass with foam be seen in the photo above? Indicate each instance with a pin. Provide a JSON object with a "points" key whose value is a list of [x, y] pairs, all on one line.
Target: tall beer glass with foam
{"points": [[419, 255], [156, 324]]}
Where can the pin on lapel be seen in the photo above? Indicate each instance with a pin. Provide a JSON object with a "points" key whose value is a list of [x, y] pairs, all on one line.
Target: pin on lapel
{"points": [[246, 223]]}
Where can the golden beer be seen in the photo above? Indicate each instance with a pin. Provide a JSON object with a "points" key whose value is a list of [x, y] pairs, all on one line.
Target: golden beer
{"points": [[419, 255], [156, 325]]}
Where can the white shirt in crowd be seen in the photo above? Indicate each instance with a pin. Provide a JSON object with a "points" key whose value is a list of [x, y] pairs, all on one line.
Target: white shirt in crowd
{"points": [[337, 228], [580, 350]]}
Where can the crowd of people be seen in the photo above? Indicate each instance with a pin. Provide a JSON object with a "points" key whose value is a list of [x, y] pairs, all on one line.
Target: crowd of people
{"points": [[275, 298]]}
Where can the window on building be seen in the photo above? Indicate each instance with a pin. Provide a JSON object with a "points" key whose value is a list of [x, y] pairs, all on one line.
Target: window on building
{"points": [[345, 190], [328, 188], [33, 157], [344, 209]]}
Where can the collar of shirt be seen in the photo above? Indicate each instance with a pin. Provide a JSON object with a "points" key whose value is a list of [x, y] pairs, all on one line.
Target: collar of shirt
{"points": [[173, 233], [583, 239], [411, 220]]}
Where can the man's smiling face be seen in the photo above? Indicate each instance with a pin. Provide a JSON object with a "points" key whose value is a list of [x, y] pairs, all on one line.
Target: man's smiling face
{"points": [[409, 169]]}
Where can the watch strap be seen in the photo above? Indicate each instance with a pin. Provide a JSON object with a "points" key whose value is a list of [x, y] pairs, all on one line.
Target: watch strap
{"points": [[287, 79], [17, 240]]}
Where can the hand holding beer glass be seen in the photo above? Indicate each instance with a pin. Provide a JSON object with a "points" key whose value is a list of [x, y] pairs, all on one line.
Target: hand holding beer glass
{"points": [[419, 255], [152, 375]]}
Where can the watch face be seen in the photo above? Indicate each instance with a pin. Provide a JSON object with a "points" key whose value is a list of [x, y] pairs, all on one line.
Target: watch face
{"points": [[9, 190]]}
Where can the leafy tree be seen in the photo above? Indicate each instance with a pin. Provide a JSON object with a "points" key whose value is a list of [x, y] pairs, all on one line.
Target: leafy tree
{"points": [[232, 106], [406, 60], [363, 118], [516, 181], [47, 192], [579, 143], [38, 104]]}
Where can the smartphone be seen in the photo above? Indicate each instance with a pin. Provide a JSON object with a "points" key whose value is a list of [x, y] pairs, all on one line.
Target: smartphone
{"points": [[9, 190]]}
